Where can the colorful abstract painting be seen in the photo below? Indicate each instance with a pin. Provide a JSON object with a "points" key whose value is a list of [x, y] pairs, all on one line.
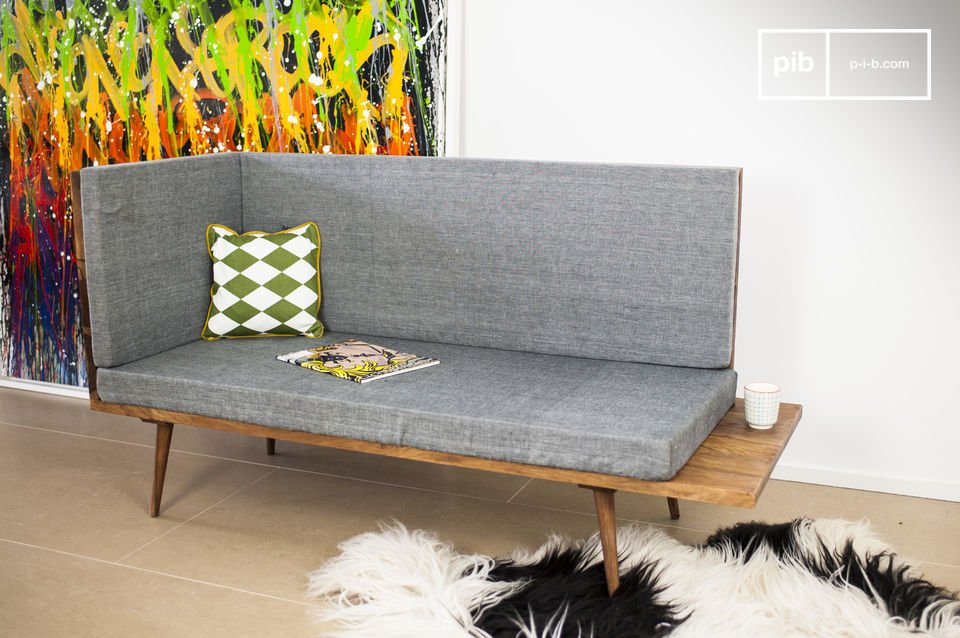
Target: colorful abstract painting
{"points": [[92, 82]]}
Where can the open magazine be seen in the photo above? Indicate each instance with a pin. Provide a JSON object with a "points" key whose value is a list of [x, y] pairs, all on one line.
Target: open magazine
{"points": [[357, 360]]}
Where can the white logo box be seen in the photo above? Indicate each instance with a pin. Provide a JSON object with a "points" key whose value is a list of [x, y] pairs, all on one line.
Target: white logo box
{"points": [[844, 64]]}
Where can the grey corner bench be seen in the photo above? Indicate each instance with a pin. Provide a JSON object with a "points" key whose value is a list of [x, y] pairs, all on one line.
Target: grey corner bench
{"points": [[583, 314]]}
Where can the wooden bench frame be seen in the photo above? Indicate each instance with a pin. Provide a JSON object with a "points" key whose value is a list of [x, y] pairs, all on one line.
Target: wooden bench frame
{"points": [[731, 467]]}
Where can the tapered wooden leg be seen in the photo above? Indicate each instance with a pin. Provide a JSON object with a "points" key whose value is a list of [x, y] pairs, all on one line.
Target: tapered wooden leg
{"points": [[271, 446], [674, 506], [164, 434], [607, 518]]}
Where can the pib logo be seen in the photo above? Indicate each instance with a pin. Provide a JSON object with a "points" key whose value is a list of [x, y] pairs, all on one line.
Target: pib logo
{"points": [[796, 62], [792, 64]]}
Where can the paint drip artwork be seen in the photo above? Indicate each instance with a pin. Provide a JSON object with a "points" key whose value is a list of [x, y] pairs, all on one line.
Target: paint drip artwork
{"points": [[94, 82]]}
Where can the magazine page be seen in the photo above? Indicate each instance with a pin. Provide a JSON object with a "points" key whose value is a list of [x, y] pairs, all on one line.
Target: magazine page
{"points": [[356, 360]]}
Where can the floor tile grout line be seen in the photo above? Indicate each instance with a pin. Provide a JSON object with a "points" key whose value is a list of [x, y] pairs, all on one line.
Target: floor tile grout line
{"points": [[78, 434], [517, 493], [174, 450], [275, 468], [486, 499], [510, 501], [619, 518], [200, 513], [919, 561], [204, 582], [104, 561], [690, 529]]}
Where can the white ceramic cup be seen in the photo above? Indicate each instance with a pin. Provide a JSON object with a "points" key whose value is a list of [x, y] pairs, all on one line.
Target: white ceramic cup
{"points": [[761, 402]]}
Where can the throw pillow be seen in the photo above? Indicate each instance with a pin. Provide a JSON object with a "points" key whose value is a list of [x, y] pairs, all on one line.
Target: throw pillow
{"points": [[264, 284]]}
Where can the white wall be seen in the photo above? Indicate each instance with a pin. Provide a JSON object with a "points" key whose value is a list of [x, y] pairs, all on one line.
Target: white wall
{"points": [[850, 263]]}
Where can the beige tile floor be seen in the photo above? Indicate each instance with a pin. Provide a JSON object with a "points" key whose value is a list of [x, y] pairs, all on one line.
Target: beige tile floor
{"points": [[240, 531]]}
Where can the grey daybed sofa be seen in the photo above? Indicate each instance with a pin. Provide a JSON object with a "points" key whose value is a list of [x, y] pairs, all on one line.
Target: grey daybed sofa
{"points": [[583, 314]]}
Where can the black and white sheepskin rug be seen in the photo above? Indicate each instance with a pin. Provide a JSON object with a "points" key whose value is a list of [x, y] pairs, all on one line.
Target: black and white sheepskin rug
{"points": [[828, 578]]}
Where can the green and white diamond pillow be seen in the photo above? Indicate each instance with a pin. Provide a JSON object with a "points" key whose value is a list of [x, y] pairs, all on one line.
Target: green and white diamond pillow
{"points": [[264, 284]]}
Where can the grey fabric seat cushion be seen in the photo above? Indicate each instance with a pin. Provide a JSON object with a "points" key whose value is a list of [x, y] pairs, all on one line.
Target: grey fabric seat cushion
{"points": [[631, 419]]}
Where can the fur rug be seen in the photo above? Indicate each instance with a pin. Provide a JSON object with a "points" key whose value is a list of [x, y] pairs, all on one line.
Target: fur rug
{"points": [[826, 578]]}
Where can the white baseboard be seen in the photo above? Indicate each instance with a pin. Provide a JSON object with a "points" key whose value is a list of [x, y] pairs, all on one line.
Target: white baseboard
{"points": [[940, 490], [58, 389]]}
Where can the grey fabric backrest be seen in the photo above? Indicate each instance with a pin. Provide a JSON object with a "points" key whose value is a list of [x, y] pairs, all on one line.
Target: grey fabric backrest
{"points": [[148, 273], [620, 262]]}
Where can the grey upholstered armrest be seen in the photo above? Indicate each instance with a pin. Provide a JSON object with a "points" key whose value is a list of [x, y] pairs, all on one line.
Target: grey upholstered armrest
{"points": [[148, 273]]}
